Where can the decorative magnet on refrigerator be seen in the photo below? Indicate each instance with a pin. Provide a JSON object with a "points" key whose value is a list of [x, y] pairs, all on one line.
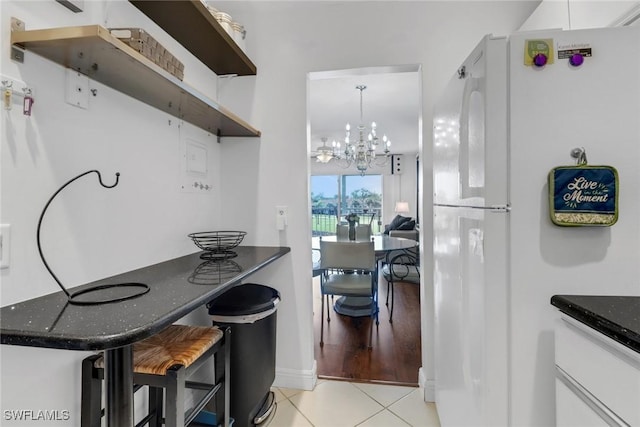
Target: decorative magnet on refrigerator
{"points": [[538, 52], [583, 195]]}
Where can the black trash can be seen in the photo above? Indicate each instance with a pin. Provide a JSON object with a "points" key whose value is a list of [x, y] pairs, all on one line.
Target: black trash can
{"points": [[250, 311]]}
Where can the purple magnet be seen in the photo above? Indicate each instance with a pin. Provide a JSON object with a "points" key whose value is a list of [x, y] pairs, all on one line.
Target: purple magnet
{"points": [[540, 60], [576, 59]]}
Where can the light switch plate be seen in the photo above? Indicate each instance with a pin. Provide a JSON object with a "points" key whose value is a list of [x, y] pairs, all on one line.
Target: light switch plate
{"points": [[5, 245], [281, 217]]}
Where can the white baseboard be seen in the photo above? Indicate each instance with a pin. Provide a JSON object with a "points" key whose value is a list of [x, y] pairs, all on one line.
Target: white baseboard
{"points": [[296, 379], [429, 386]]}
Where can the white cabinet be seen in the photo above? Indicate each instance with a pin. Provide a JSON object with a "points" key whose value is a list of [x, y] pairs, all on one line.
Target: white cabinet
{"points": [[597, 378], [572, 410]]}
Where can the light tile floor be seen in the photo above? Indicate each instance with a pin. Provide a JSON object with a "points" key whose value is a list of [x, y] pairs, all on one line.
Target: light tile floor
{"points": [[345, 404]]}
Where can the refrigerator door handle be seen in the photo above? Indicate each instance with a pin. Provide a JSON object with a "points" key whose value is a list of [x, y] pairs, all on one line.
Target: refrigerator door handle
{"points": [[471, 85], [500, 208]]}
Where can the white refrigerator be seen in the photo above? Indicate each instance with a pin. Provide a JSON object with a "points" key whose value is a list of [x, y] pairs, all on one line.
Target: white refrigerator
{"points": [[500, 126]]}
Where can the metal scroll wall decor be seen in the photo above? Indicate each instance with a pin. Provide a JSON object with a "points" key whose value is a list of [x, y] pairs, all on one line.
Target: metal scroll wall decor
{"points": [[99, 294]]}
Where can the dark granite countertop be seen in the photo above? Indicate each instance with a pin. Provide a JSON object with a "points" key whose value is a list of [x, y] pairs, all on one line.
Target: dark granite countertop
{"points": [[177, 287], [617, 317]]}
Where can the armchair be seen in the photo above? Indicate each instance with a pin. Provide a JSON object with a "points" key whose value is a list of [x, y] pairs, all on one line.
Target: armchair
{"points": [[405, 234], [400, 223]]}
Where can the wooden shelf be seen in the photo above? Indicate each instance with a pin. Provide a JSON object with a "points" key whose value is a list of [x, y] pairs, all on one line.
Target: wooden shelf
{"points": [[191, 24], [93, 51]]}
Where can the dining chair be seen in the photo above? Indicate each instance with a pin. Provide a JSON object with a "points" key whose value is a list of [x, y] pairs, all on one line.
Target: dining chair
{"points": [[363, 232], [401, 266], [315, 259], [342, 232], [350, 272]]}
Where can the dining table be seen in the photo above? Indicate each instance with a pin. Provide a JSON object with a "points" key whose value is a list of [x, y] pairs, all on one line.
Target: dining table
{"points": [[176, 287], [383, 244]]}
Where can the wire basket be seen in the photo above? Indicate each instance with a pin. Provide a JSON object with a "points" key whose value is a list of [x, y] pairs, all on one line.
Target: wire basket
{"points": [[217, 245]]}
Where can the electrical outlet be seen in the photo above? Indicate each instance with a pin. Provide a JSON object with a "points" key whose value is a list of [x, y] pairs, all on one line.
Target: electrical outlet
{"points": [[5, 245], [76, 89]]}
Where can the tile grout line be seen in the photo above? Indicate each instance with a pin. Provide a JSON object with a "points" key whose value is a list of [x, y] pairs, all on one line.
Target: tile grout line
{"points": [[387, 407], [383, 406], [296, 408]]}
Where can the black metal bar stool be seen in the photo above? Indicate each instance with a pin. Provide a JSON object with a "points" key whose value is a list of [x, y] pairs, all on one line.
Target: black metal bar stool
{"points": [[163, 362]]}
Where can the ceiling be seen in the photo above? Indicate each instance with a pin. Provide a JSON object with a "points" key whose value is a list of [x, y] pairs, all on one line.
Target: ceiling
{"points": [[391, 99], [393, 96]]}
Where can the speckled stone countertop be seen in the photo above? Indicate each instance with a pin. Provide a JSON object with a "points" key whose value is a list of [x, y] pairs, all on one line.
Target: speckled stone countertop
{"points": [[617, 317], [177, 287]]}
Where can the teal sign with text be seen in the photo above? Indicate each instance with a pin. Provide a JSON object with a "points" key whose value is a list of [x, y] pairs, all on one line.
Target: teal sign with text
{"points": [[583, 195]]}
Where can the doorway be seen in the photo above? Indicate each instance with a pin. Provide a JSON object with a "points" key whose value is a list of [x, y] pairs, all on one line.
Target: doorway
{"points": [[393, 99]]}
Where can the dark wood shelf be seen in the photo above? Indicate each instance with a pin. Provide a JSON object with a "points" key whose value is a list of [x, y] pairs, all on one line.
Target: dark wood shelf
{"points": [[93, 51], [191, 24]]}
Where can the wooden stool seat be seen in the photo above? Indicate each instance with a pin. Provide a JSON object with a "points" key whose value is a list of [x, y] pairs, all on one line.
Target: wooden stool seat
{"points": [[163, 362], [176, 345]]}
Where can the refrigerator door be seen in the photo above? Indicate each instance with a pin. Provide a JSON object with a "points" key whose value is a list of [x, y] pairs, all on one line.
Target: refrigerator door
{"points": [[470, 131], [470, 289]]}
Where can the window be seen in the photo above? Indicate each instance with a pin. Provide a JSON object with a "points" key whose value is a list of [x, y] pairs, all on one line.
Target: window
{"points": [[334, 196]]}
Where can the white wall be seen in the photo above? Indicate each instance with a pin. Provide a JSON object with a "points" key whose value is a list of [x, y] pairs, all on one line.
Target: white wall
{"points": [[146, 218]]}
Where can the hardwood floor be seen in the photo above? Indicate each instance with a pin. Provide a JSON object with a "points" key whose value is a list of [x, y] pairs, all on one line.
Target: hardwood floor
{"points": [[395, 357]]}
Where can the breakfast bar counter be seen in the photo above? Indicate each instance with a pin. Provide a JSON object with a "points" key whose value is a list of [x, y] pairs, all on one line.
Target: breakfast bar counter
{"points": [[176, 287]]}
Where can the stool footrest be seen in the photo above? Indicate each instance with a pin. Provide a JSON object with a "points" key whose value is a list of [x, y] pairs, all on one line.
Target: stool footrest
{"points": [[199, 386], [145, 420], [199, 406]]}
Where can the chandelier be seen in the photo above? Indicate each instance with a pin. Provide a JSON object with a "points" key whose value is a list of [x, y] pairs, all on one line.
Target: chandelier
{"points": [[360, 152]]}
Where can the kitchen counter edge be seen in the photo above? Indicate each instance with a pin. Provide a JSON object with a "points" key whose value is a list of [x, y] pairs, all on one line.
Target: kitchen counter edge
{"points": [[617, 317]]}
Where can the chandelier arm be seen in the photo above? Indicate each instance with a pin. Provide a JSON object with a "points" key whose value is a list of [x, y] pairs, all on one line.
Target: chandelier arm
{"points": [[385, 160]]}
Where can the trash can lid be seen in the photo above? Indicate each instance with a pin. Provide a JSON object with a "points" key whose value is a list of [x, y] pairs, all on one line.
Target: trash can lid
{"points": [[248, 298]]}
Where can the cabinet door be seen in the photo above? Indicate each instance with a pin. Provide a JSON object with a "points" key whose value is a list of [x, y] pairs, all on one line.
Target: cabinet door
{"points": [[600, 366], [572, 411]]}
